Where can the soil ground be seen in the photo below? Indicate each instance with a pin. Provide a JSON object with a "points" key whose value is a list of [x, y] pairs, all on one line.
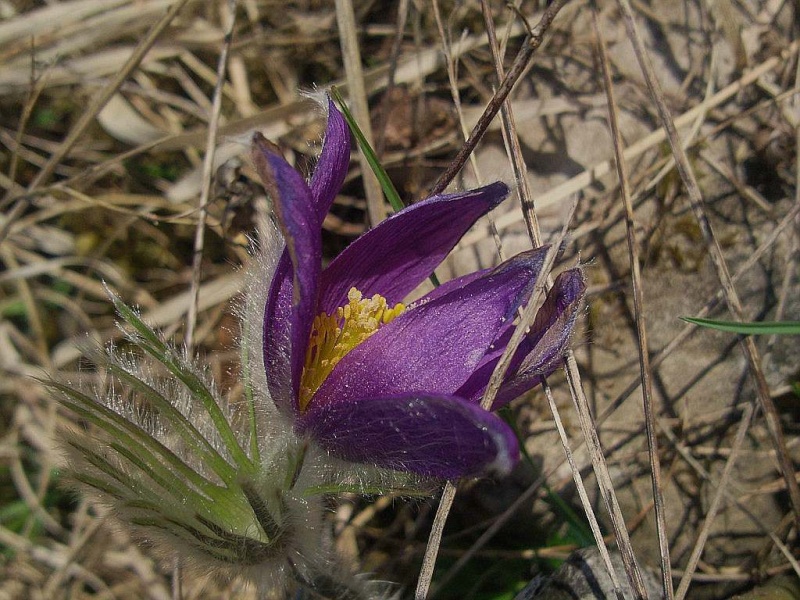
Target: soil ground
{"points": [[120, 206]]}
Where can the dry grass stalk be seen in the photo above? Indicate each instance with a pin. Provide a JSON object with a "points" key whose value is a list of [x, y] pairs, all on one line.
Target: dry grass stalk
{"points": [[731, 296], [208, 164], [641, 328], [173, 91], [356, 87], [529, 47], [585, 179]]}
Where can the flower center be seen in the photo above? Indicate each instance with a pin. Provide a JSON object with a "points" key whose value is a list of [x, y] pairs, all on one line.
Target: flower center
{"points": [[333, 336]]}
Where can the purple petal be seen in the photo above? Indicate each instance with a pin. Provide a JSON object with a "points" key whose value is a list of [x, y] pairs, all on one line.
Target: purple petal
{"points": [[555, 320], [333, 162], [540, 352], [294, 208], [434, 346], [433, 436], [531, 259], [277, 336], [399, 253]]}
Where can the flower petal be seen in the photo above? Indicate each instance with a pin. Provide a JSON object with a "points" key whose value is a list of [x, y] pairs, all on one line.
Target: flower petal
{"points": [[328, 176], [277, 336], [540, 352], [297, 217], [433, 436], [531, 259], [434, 346], [399, 253], [333, 162]]}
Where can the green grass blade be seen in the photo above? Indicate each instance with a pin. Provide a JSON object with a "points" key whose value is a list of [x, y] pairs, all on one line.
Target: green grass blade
{"points": [[749, 328], [386, 184]]}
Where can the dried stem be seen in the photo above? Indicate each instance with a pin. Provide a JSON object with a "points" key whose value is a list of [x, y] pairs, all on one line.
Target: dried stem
{"points": [[641, 327], [358, 96], [434, 541], [594, 173], [581, 489], [88, 115], [705, 530], [589, 428], [731, 297], [529, 47], [100, 101], [208, 176], [512, 140]]}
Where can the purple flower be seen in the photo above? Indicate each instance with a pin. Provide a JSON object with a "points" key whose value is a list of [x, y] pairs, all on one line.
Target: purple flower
{"points": [[371, 380]]}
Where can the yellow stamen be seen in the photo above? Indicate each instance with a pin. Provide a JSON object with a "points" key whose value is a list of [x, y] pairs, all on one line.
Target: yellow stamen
{"points": [[333, 336]]}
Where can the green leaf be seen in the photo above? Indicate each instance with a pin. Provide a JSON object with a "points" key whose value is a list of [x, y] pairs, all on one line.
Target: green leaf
{"points": [[749, 328], [386, 184], [148, 341], [177, 421]]}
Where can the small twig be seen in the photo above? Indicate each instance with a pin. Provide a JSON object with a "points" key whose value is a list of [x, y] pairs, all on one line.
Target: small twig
{"points": [[641, 327], [199, 233], [744, 190], [705, 530], [434, 541], [58, 579], [27, 111], [177, 580], [452, 77], [529, 47], [496, 525], [208, 176], [589, 428], [771, 415], [449, 491], [33, 309], [581, 489], [356, 90], [532, 224], [511, 138], [520, 331], [591, 435]]}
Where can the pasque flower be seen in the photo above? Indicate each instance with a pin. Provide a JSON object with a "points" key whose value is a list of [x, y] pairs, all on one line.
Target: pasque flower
{"points": [[349, 374], [371, 380]]}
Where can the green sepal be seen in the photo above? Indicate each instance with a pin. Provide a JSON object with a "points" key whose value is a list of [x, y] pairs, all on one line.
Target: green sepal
{"points": [[148, 341], [178, 423]]}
